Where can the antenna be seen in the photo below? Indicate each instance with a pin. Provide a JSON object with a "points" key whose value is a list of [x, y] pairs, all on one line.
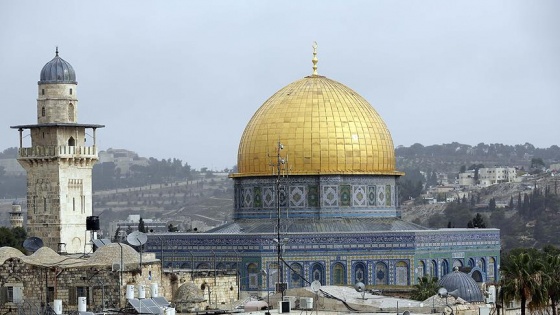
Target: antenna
{"points": [[32, 244]]}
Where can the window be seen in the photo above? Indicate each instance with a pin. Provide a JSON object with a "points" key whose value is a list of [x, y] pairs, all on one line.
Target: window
{"points": [[338, 277], [43, 91], [43, 111], [79, 291], [73, 204], [44, 204], [70, 91], [11, 293], [50, 294]]}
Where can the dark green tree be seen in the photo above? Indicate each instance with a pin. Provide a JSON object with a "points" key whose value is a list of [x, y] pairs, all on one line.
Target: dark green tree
{"points": [[172, 228], [511, 205], [12, 237], [141, 226], [478, 221], [426, 287], [492, 204]]}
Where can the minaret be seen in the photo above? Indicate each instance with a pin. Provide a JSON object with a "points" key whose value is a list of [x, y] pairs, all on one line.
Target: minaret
{"points": [[58, 162], [16, 216]]}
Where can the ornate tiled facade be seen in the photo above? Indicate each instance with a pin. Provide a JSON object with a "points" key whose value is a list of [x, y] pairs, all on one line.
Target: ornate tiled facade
{"points": [[316, 196]]}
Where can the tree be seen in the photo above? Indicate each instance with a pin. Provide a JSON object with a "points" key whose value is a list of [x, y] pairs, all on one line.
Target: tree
{"points": [[552, 280], [537, 162], [477, 222], [12, 237], [172, 228], [117, 237], [426, 287], [141, 226], [511, 205], [522, 277], [492, 204]]}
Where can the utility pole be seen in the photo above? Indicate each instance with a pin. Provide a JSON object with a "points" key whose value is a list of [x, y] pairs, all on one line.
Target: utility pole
{"points": [[279, 162]]}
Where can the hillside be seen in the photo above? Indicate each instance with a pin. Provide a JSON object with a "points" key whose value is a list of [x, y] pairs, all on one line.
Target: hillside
{"points": [[171, 191]]}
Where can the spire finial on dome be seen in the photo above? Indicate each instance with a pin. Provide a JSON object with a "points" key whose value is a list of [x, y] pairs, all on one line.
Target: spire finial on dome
{"points": [[57, 51], [315, 60]]}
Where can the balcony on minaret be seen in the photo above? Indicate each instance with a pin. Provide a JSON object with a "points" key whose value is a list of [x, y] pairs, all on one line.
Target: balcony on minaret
{"points": [[63, 151]]}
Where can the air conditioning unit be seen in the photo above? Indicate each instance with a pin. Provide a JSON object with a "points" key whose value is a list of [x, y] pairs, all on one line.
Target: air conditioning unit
{"points": [[292, 300], [306, 303], [116, 267]]}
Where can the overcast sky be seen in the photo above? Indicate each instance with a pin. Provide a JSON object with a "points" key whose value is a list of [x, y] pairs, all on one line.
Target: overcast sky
{"points": [[181, 79]]}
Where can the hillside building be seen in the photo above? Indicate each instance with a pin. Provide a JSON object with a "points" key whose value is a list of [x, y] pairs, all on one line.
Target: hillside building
{"points": [[495, 175], [58, 162]]}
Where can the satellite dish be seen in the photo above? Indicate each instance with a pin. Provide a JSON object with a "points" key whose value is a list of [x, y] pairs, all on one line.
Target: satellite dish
{"points": [[32, 244], [360, 287], [137, 238], [442, 292], [316, 286]]}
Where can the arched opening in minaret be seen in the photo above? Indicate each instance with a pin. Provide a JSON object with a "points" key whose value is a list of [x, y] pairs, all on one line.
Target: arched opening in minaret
{"points": [[71, 142], [71, 112]]}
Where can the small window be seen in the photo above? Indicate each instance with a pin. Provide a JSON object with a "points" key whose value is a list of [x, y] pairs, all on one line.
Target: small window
{"points": [[43, 91], [43, 111], [73, 204], [70, 91], [45, 204]]}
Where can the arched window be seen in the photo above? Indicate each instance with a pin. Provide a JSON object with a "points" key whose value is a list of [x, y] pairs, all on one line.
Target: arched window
{"points": [[481, 263], [381, 276], [457, 263], [491, 272], [71, 112], [339, 274], [318, 273], [421, 269], [433, 269], [401, 269], [360, 273], [221, 266], [272, 274], [477, 276], [253, 274], [203, 266], [71, 142], [471, 263], [296, 275], [444, 268]]}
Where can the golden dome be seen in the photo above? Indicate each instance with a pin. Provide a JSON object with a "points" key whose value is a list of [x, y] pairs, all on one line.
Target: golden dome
{"points": [[325, 128]]}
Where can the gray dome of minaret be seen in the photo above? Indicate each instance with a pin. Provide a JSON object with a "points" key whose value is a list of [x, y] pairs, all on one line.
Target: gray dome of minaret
{"points": [[57, 71]]}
